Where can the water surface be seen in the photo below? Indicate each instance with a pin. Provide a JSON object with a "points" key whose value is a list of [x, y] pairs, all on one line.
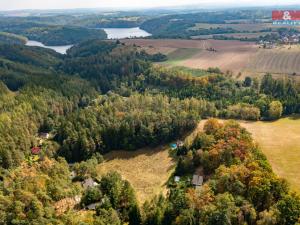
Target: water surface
{"points": [[60, 49], [121, 33]]}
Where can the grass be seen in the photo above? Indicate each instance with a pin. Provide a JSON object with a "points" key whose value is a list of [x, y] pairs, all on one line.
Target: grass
{"points": [[191, 71], [147, 169], [179, 55], [280, 142]]}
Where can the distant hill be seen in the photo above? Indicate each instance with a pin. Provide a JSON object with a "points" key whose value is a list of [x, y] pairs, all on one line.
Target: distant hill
{"points": [[63, 35], [8, 38]]}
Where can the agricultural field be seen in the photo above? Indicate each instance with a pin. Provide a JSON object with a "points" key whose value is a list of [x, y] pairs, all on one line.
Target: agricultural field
{"points": [[176, 57], [284, 60], [238, 27], [243, 35], [241, 27], [229, 55], [147, 170], [235, 56]]}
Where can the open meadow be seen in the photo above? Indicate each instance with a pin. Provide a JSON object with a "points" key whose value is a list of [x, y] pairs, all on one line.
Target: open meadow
{"points": [[147, 170], [280, 142], [228, 55]]}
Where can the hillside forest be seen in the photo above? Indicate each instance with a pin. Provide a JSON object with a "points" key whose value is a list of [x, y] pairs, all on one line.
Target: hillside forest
{"points": [[103, 96]]}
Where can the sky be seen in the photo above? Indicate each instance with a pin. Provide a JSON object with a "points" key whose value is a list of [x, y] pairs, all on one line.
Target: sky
{"points": [[123, 4]]}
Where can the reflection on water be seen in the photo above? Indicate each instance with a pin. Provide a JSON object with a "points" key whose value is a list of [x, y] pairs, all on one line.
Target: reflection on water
{"points": [[60, 49], [112, 33], [120, 33]]}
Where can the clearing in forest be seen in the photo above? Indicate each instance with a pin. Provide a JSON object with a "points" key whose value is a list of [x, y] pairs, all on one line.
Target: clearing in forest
{"points": [[147, 169], [280, 142]]}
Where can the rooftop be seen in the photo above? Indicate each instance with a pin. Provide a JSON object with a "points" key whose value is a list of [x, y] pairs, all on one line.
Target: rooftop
{"points": [[197, 180]]}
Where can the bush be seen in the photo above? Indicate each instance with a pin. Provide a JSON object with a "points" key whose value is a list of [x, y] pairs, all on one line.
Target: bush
{"points": [[275, 110], [243, 111]]}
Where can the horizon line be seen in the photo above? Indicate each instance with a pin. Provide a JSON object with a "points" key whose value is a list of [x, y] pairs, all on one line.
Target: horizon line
{"points": [[199, 6]]}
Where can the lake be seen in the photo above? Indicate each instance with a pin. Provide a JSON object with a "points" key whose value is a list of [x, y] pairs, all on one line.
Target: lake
{"points": [[60, 49], [121, 33], [112, 33]]}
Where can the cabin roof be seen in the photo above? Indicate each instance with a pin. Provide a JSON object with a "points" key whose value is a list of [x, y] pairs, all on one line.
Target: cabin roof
{"points": [[173, 146], [197, 180], [92, 206], [35, 150], [176, 178]]}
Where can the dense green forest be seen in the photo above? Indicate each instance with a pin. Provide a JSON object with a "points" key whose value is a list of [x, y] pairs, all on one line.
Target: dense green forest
{"points": [[64, 29], [115, 122], [8, 38], [63, 35], [178, 25], [50, 32], [105, 96]]}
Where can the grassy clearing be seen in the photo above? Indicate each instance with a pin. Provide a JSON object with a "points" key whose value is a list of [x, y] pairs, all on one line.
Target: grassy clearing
{"points": [[280, 142], [179, 55], [190, 71], [147, 170]]}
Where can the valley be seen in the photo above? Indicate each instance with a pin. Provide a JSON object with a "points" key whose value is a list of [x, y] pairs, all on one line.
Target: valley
{"points": [[156, 116]]}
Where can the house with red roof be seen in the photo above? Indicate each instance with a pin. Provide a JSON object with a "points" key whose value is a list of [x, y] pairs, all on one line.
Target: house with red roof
{"points": [[35, 150]]}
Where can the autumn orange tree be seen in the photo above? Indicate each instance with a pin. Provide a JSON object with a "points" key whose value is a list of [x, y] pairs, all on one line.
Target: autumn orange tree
{"points": [[240, 186]]}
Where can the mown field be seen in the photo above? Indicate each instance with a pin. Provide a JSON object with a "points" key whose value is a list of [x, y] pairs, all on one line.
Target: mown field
{"points": [[229, 55], [147, 170], [280, 142]]}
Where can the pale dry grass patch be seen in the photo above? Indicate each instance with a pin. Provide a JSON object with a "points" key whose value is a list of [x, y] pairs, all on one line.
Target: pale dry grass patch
{"points": [[280, 142], [147, 169]]}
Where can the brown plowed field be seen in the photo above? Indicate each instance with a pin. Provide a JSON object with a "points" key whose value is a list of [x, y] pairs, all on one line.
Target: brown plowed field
{"points": [[236, 56]]}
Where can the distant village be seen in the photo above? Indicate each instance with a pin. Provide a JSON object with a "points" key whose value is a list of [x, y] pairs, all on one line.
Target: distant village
{"points": [[284, 39]]}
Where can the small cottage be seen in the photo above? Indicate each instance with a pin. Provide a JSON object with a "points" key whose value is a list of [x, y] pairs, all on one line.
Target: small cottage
{"points": [[72, 174], [92, 206], [179, 144], [173, 146], [35, 150], [197, 180], [44, 135], [176, 179]]}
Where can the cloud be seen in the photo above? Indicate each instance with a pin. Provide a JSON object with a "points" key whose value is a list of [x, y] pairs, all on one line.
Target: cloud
{"points": [[63, 4]]}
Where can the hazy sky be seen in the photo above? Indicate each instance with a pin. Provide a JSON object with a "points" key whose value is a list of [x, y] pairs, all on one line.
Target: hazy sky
{"points": [[64, 4]]}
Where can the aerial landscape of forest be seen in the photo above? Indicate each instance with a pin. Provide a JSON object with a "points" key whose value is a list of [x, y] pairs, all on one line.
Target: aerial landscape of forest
{"points": [[161, 113]]}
